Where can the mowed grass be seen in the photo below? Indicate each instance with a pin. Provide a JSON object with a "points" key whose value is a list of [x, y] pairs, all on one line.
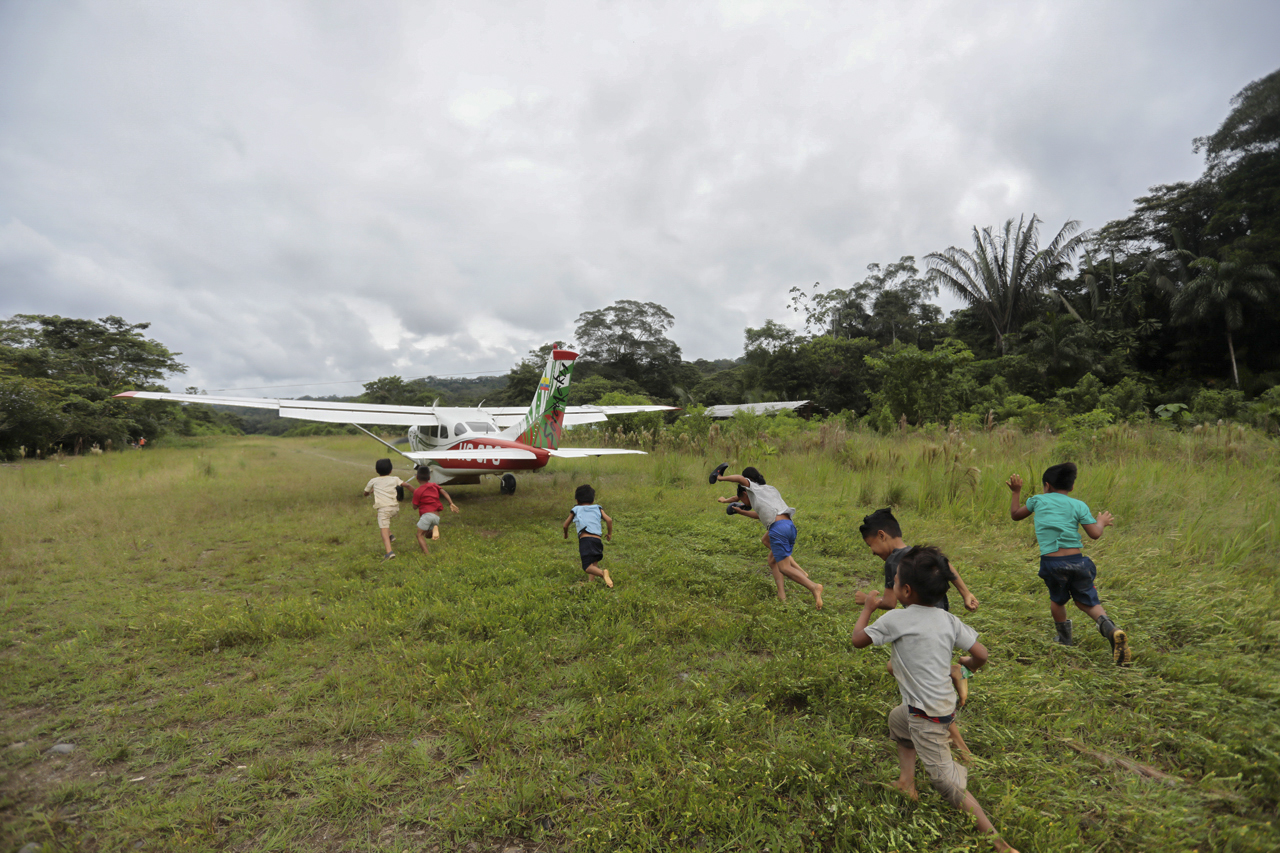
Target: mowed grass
{"points": [[212, 628]]}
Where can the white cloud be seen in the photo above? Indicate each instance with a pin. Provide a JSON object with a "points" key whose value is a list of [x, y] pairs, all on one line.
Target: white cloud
{"points": [[478, 107], [299, 193]]}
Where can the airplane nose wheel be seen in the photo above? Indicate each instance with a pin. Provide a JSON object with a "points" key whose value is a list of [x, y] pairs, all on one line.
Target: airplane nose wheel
{"points": [[507, 485]]}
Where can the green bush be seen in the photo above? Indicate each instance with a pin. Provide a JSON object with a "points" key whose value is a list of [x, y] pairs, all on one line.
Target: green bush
{"points": [[1213, 405], [919, 384], [1019, 410], [883, 422], [1084, 397], [1127, 398], [1265, 411], [1174, 414]]}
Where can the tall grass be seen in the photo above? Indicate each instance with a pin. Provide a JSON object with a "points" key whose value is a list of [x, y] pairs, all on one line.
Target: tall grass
{"points": [[215, 622]]}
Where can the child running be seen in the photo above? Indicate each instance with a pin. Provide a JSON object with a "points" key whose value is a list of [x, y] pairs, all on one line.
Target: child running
{"points": [[383, 489], [883, 535], [922, 638], [587, 516], [1068, 573], [768, 507], [427, 499]]}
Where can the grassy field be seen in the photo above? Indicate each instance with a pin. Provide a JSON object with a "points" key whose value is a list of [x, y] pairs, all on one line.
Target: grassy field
{"points": [[212, 629]]}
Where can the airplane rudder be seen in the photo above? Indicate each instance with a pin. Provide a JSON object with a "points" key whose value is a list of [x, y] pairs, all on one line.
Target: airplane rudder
{"points": [[548, 400]]}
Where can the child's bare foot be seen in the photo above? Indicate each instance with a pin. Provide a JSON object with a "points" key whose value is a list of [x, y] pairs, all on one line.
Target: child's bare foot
{"points": [[608, 581], [435, 533], [1002, 845], [817, 596], [907, 786]]}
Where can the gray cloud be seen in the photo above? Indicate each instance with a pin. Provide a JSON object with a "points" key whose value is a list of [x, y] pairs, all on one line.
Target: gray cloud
{"points": [[310, 193]]}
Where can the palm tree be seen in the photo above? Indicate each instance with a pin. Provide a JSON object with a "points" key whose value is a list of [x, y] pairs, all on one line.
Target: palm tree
{"points": [[1004, 271], [1221, 288], [1061, 342]]}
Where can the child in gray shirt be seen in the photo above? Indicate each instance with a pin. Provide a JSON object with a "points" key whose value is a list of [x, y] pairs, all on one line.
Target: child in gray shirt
{"points": [[923, 637]]}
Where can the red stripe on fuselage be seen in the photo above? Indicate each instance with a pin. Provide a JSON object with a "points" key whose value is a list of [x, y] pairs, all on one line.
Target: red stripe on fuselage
{"points": [[481, 465]]}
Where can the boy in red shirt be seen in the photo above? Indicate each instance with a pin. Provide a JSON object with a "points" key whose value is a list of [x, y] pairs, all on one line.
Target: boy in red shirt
{"points": [[427, 499]]}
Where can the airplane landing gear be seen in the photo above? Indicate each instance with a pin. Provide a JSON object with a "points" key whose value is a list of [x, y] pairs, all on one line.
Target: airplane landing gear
{"points": [[507, 485]]}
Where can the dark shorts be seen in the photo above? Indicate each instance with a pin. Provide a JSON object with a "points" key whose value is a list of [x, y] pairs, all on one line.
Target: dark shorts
{"points": [[591, 550], [782, 538], [1070, 577]]}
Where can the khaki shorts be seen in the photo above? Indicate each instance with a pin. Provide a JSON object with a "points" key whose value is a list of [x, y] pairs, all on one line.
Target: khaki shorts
{"points": [[933, 747], [385, 514]]}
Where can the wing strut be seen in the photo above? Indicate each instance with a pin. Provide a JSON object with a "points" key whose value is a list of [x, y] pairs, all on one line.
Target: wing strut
{"points": [[390, 447]]}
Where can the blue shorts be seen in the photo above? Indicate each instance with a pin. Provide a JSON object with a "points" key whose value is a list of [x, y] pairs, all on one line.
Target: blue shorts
{"points": [[782, 538], [1070, 577]]}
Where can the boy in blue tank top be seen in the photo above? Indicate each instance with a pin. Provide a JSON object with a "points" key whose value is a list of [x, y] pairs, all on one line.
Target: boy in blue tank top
{"points": [[1067, 572], [591, 520]]}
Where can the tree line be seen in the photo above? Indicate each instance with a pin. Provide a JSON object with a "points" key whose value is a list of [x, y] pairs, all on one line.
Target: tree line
{"points": [[1169, 313]]}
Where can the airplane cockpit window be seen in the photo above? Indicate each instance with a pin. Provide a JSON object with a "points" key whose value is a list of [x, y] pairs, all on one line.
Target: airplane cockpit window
{"points": [[428, 431], [459, 429], [481, 426]]}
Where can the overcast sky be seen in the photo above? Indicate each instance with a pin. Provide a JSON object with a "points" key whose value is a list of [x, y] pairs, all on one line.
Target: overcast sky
{"points": [[309, 193]]}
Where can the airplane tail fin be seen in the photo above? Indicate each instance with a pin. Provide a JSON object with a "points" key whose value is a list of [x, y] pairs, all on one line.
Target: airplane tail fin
{"points": [[541, 425]]}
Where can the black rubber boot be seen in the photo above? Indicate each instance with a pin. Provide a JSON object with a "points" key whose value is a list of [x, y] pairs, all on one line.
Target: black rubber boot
{"points": [[1064, 632], [1119, 640]]}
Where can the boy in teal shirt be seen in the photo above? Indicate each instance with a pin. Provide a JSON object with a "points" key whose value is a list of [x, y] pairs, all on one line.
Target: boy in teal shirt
{"points": [[1067, 572]]}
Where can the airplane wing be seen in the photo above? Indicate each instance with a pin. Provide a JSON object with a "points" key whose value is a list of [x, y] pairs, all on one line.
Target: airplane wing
{"points": [[505, 416], [369, 413], [583, 452], [308, 410]]}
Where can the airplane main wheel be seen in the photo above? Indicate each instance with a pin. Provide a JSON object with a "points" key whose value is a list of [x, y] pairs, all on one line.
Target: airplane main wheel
{"points": [[508, 484]]}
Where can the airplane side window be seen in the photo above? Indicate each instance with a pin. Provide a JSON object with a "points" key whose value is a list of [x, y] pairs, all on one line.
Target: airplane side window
{"points": [[459, 429], [480, 427]]}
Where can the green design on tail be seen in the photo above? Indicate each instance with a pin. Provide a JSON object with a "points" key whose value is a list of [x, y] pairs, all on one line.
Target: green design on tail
{"points": [[541, 425]]}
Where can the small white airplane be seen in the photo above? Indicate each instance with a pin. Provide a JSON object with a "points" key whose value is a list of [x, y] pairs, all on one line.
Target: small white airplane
{"points": [[460, 445]]}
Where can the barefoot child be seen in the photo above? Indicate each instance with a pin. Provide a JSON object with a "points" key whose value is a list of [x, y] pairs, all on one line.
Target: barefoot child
{"points": [[768, 507], [427, 499], [383, 488], [883, 536], [587, 516], [1067, 572], [922, 637]]}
